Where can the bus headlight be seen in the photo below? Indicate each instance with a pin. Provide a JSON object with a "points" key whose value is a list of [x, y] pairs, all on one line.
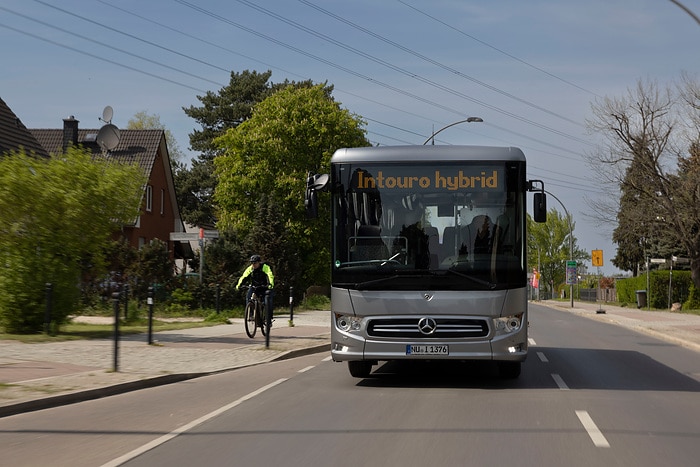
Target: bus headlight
{"points": [[348, 323], [508, 324]]}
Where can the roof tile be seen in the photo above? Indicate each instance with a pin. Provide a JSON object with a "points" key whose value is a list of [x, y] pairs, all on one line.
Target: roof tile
{"points": [[14, 135]]}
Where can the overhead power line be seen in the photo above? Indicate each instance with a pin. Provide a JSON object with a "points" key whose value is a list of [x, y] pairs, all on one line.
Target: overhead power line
{"points": [[431, 61], [456, 112], [103, 44], [182, 71], [167, 49], [541, 70], [376, 60], [153, 75]]}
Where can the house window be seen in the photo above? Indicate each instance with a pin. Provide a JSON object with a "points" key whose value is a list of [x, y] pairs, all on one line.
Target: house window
{"points": [[162, 201], [149, 198]]}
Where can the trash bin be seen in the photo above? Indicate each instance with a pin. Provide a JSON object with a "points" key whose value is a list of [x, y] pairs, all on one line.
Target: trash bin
{"points": [[641, 298]]}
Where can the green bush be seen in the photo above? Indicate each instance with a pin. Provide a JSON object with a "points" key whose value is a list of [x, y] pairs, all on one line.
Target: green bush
{"points": [[182, 297], [658, 288], [176, 309], [317, 302], [23, 292], [693, 302]]}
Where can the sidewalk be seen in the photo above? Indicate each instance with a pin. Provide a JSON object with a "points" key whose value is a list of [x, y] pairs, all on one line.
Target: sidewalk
{"points": [[679, 328], [38, 376]]}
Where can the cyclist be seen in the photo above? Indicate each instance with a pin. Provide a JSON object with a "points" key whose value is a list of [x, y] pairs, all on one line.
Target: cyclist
{"points": [[262, 278]]}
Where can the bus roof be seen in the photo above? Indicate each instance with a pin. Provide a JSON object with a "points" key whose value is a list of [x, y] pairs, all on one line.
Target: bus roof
{"points": [[427, 153]]}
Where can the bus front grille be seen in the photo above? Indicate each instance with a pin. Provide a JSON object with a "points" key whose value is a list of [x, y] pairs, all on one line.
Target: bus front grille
{"points": [[444, 328]]}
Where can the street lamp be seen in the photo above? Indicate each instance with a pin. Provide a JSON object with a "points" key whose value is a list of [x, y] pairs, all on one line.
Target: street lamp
{"points": [[467, 120], [571, 243]]}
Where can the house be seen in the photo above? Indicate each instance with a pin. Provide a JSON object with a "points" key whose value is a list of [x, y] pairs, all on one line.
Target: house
{"points": [[14, 136], [160, 214]]}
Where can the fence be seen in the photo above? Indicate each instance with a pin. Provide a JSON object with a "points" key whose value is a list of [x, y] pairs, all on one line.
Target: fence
{"points": [[593, 295]]}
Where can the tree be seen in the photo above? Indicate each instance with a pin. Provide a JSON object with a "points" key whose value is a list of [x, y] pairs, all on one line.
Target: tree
{"points": [[224, 259], [152, 266], [231, 106], [294, 131], [228, 108], [143, 121], [56, 219], [632, 232], [549, 247], [650, 149], [268, 237], [194, 188]]}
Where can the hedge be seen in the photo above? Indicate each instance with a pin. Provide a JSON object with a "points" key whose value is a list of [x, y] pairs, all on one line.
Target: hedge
{"points": [[682, 290]]}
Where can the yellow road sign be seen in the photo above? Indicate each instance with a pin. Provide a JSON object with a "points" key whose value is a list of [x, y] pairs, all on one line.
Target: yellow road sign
{"points": [[597, 257]]}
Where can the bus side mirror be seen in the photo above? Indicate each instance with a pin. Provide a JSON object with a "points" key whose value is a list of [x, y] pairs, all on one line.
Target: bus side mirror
{"points": [[540, 207], [311, 204], [314, 184]]}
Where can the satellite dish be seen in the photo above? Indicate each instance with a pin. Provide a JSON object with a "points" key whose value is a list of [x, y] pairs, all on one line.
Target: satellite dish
{"points": [[108, 137], [107, 114]]}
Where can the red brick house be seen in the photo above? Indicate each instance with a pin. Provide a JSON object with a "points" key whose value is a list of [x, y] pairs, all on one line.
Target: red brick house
{"points": [[160, 214]]}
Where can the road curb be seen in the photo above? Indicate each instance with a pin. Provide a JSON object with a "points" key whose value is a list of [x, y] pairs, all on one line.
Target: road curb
{"points": [[629, 323], [122, 388]]}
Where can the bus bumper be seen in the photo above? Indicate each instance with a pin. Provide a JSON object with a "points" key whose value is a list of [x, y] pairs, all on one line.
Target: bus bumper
{"points": [[349, 346]]}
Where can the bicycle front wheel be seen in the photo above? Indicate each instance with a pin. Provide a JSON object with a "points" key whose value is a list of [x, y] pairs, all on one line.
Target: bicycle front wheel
{"points": [[249, 319]]}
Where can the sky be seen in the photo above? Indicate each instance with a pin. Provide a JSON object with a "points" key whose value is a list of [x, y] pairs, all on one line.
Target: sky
{"points": [[531, 70]]}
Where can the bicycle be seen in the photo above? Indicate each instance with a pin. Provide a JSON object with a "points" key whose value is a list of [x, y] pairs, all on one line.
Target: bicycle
{"points": [[256, 315]]}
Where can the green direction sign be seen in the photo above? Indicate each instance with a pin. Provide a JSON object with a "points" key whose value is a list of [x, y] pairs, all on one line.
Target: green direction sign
{"points": [[571, 272]]}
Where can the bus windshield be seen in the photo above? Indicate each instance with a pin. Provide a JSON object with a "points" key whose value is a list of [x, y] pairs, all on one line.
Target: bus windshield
{"points": [[438, 225]]}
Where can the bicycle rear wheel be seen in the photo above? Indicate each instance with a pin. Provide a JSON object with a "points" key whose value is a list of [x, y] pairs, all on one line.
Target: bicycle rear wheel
{"points": [[249, 319]]}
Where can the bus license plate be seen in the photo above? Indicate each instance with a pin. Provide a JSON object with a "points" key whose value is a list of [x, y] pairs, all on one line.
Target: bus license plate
{"points": [[427, 350]]}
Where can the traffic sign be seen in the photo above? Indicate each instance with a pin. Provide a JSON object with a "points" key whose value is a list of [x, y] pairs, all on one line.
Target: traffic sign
{"points": [[571, 271], [597, 257], [192, 236]]}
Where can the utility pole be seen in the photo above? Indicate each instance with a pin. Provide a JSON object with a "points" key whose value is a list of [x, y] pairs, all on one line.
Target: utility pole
{"points": [[571, 244]]}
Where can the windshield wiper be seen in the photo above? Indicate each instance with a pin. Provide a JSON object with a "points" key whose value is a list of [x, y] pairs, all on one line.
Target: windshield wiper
{"points": [[391, 260], [375, 263], [476, 280], [364, 285]]}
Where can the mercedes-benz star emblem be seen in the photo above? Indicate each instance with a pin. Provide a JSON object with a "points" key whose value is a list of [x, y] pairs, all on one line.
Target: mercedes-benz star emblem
{"points": [[427, 325]]}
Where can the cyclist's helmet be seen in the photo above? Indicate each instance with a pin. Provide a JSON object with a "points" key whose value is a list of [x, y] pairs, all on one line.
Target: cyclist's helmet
{"points": [[255, 259]]}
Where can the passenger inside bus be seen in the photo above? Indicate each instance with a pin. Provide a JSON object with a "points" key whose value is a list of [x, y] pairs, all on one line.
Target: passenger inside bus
{"points": [[413, 235]]}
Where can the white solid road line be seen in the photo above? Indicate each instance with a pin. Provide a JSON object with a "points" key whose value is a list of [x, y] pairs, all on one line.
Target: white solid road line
{"points": [[157, 442], [306, 369], [593, 431]]}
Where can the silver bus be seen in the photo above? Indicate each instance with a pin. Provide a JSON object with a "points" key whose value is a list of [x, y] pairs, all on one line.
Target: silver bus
{"points": [[428, 254]]}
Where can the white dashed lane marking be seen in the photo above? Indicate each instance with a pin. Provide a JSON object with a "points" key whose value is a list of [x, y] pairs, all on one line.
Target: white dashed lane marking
{"points": [[592, 430], [560, 382]]}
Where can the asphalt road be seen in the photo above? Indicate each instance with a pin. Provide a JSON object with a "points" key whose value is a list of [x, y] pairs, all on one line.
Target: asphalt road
{"points": [[590, 393]]}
